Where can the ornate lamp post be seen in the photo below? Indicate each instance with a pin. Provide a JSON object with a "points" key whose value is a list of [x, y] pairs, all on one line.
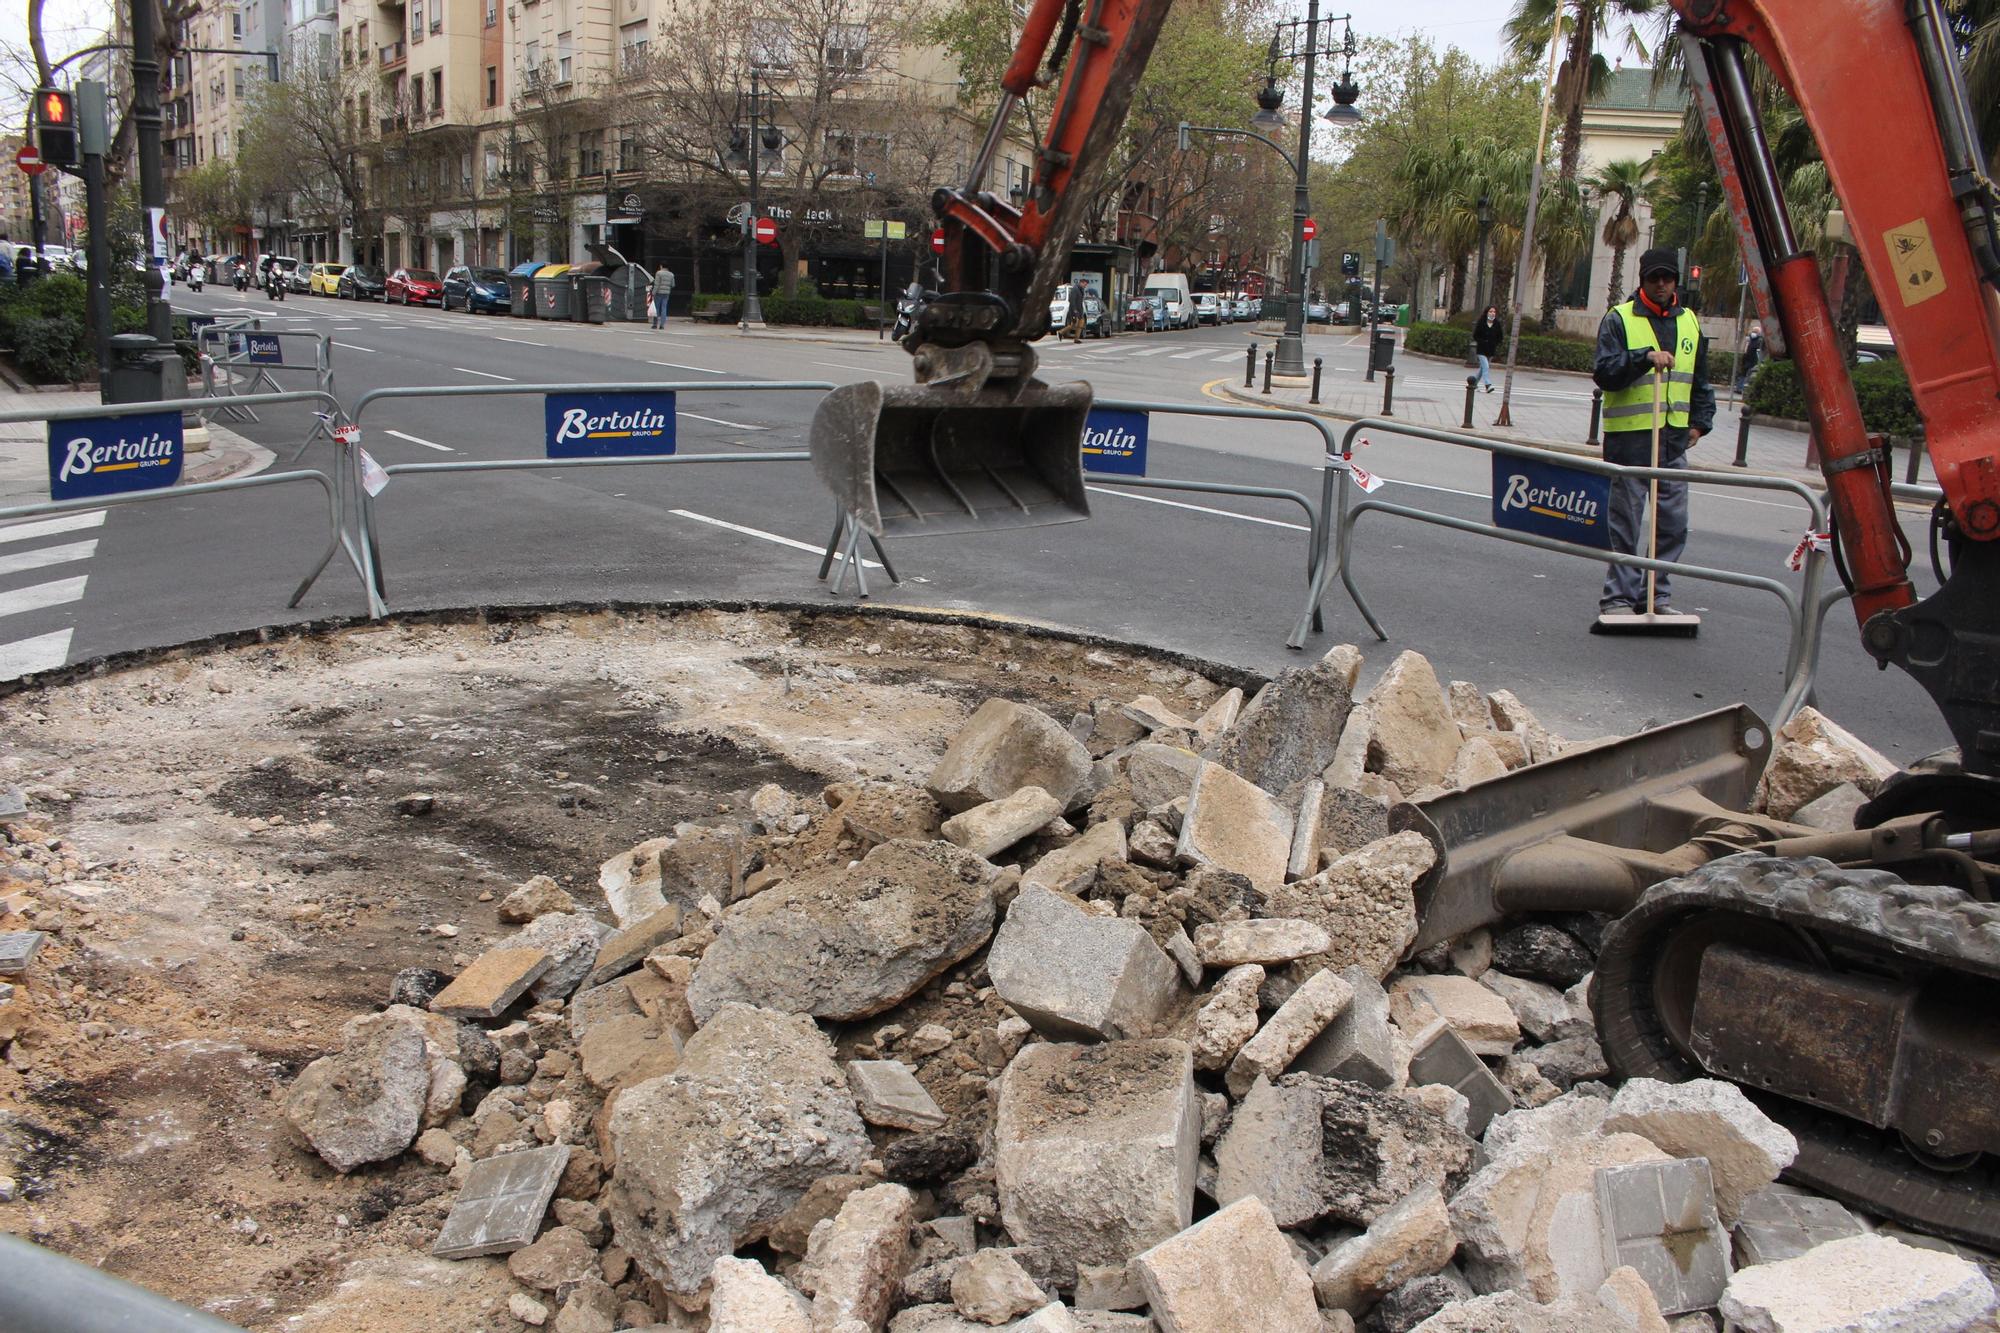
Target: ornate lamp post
{"points": [[1485, 216]]}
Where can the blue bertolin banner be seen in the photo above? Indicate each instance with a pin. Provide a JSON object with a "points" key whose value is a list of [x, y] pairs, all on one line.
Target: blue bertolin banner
{"points": [[1115, 441], [111, 455], [259, 349], [609, 425], [1552, 501]]}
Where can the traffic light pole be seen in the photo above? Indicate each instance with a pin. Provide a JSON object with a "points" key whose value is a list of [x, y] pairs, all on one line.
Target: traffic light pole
{"points": [[152, 184], [92, 133]]}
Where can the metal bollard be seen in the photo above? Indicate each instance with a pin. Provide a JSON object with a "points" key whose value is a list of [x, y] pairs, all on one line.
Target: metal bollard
{"points": [[1917, 442], [1388, 391], [1471, 388], [1250, 365], [1316, 368], [1743, 438], [1268, 356], [1596, 414]]}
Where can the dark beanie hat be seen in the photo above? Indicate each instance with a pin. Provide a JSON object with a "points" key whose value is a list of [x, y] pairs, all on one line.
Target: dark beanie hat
{"points": [[1659, 260]]}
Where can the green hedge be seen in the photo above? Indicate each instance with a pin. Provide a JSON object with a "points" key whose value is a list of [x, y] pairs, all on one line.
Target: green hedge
{"points": [[1882, 386], [1548, 351], [816, 311], [52, 350], [46, 327]]}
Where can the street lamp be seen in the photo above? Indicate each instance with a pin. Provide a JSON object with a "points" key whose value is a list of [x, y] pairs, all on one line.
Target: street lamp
{"points": [[771, 137], [1485, 216]]}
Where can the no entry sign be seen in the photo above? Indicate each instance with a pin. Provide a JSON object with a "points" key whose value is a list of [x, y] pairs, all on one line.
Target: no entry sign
{"points": [[30, 161], [1309, 229], [937, 240], [766, 231]]}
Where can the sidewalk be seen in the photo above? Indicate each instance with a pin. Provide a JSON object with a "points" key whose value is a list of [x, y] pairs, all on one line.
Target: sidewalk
{"points": [[24, 447]]}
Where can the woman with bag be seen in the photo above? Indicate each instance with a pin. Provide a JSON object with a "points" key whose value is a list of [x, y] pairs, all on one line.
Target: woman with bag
{"points": [[1486, 344]]}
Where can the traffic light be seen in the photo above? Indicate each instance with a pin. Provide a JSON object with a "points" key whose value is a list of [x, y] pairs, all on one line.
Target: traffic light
{"points": [[1350, 263], [55, 127]]}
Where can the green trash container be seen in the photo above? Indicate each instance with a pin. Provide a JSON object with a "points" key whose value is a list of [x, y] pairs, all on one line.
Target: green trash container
{"points": [[1402, 316]]}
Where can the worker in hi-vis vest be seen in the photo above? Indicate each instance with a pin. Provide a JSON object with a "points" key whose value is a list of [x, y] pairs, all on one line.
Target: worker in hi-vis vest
{"points": [[1652, 330]]}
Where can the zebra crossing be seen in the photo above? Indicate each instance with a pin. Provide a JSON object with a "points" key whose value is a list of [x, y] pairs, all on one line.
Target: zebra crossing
{"points": [[31, 552], [1208, 353]]}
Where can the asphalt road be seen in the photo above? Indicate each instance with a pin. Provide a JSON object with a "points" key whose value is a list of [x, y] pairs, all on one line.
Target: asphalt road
{"points": [[1217, 576]]}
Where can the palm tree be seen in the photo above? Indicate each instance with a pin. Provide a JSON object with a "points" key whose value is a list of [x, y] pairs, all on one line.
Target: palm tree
{"points": [[1619, 185], [1587, 26]]}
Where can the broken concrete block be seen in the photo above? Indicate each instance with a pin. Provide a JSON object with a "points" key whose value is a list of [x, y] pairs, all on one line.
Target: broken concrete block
{"points": [[888, 1094], [1073, 869], [1350, 758], [1569, 1062], [1779, 1223], [366, 1102], [629, 1048], [494, 981], [988, 829], [1813, 756], [559, 1258], [843, 942], [1303, 860], [855, 1263], [1150, 713], [1544, 1013], [500, 1207], [1413, 739], [535, 897], [1181, 949], [1361, 1045], [689, 1183], [1054, 1317], [631, 881], [1228, 1018], [1834, 812], [992, 1288], [1659, 1219], [1480, 1017], [1108, 1287], [1541, 952], [1219, 716], [571, 940], [1312, 1148], [1151, 844], [1073, 973], [1160, 774], [1411, 1240], [1625, 1295], [1229, 1272], [1512, 1312], [1471, 954], [1477, 761], [1266, 941], [1237, 826], [1745, 1148], [1870, 1284], [743, 1298], [1468, 705], [1004, 747], [1511, 715], [1096, 1145], [1442, 1057], [1365, 902], [628, 948], [1302, 1017], [1288, 734]]}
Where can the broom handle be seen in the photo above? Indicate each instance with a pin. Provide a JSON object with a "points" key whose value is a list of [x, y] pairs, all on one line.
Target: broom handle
{"points": [[1653, 493]]}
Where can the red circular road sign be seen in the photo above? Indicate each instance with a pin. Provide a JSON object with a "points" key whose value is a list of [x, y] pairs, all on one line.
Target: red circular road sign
{"points": [[937, 240], [30, 161], [766, 232], [1310, 229]]}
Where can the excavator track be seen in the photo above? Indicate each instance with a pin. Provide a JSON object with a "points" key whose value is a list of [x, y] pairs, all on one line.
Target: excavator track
{"points": [[1863, 922]]}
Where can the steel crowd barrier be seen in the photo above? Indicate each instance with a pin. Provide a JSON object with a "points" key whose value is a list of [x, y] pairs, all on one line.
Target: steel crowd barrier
{"points": [[1832, 597], [1804, 609], [50, 1293], [235, 358]]}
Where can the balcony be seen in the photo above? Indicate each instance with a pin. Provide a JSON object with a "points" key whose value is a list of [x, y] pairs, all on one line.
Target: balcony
{"points": [[392, 124], [392, 56]]}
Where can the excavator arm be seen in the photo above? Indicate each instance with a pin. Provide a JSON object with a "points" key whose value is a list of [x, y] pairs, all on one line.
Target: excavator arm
{"points": [[1877, 82]]}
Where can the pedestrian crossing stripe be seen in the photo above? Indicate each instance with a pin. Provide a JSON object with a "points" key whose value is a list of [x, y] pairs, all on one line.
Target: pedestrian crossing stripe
{"points": [[45, 651]]}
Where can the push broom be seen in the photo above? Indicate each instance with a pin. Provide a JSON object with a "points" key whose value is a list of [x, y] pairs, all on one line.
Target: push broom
{"points": [[1675, 624]]}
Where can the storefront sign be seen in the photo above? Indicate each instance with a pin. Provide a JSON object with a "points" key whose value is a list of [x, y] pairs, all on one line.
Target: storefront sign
{"points": [[1115, 442], [112, 455], [1552, 501], [623, 206], [608, 425]]}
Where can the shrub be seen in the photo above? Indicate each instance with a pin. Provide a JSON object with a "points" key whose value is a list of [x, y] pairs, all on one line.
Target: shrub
{"points": [[1883, 388], [813, 310], [57, 296], [702, 303], [51, 350], [1548, 351]]}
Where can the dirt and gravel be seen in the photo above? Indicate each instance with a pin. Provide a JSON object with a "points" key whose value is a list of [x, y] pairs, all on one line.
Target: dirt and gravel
{"points": [[234, 851]]}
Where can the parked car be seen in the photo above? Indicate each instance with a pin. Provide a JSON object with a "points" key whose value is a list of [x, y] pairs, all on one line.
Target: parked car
{"points": [[362, 282], [1142, 314], [413, 286], [1318, 312], [299, 279], [475, 289], [1094, 323], [325, 279], [1207, 309]]}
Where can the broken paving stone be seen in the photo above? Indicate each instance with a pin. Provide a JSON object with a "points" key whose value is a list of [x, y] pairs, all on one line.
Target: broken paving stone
{"points": [[536, 897], [1443, 1058], [1151, 843], [1361, 1045], [1569, 1062], [1411, 1240], [1073, 869], [992, 1288], [1287, 735], [571, 940], [1409, 1305], [631, 881], [1265, 941], [494, 981], [987, 830], [1302, 1017], [560, 1257], [1096, 1145], [1835, 811], [628, 1049], [628, 948], [1304, 857], [1072, 973], [1004, 747], [1228, 1018], [1867, 1283], [1779, 1222], [1160, 774], [1365, 900], [1229, 1272], [1477, 762], [18, 949], [845, 942], [1235, 825], [1813, 755], [1512, 1312], [1219, 716], [888, 1094], [1413, 739], [1544, 1013], [1150, 713], [1511, 715], [364, 1103], [1658, 1219], [1481, 1018], [855, 1263], [1708, 1118], [500, 1207], [1542, 952]]}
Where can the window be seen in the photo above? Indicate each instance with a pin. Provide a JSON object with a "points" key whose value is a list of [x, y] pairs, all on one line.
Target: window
{"points": [[236, 23], [590, 153], [437, 16], [629, 152], [417, 20], [437, 92], [239, 81], [857, 156], [563, 53], [492, 12], [631, 47], [770, 43], [493, 85], [559, 159], [416, 99], [847, 46], [492, 165], [534, 54]]}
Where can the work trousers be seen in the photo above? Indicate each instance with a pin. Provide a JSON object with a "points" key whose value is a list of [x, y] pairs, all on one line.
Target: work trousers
{"points": [[1634, 448]]}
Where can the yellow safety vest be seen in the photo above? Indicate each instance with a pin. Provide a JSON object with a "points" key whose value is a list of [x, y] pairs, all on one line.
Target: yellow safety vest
{"points": [[1631, 408]]}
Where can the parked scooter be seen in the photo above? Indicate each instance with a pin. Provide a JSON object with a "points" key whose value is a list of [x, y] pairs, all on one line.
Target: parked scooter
{"points": [[906, 311]]}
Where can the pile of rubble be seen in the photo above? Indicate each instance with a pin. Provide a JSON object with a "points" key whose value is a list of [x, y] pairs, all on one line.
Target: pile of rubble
{"points": [[978, 1055]]}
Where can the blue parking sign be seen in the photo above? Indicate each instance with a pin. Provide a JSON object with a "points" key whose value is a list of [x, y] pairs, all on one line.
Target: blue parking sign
{"points": [[1115, 441], [111, 455], [1550, 500], [608, 425]]}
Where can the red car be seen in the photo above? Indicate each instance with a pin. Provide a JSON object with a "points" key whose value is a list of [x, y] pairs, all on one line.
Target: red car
{"points": [[414, 286]]}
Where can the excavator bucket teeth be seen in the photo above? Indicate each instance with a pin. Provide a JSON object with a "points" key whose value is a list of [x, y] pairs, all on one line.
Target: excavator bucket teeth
{"points": [[934, 459]]}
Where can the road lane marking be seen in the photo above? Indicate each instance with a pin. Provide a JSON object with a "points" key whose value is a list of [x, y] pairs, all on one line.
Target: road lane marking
{"points": [[351, 347], [44, 652], [1149, 351], [759, 533], [733, 425], [22, 561], [1189, 356], [1232, 356], [501, 337], [866, 370], [39, 595], [1199, 509], [484, 374], [441, 448], [49, 527], [675, 365]]}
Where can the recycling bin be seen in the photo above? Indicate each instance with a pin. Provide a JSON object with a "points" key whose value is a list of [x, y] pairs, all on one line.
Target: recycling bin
{"points": [[552, 292], [521, 290], [591, 303]]}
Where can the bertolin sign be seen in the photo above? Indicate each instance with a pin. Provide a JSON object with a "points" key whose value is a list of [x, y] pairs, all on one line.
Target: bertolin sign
{"points": [[1549, 500], [1115, 441], [608, 425], [110, 455]]}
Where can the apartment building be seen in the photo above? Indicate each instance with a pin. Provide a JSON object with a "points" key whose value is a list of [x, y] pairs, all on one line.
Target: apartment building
{"points": [[206, 92]]}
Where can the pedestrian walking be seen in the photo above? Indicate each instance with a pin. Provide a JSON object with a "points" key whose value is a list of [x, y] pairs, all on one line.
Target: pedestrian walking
{"points": [[1486, 344], [1753, 353], [1073, 326], [1652, 332], [663, 292]]}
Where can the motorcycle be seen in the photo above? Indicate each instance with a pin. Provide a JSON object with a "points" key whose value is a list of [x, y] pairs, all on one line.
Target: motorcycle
{"points": [[906, 314], [274, 284], [197, 274], [242, 279]]}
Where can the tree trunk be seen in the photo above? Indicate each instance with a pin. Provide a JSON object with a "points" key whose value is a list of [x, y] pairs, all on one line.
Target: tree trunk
{"points": [[1458, 285], [1617, 287]]}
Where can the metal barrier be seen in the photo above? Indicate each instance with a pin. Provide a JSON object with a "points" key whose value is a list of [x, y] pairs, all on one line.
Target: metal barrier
{"points": [[332, 485], [1803, 610], [45, 1292], [231, 361], [1832, 597], [370, 555]]}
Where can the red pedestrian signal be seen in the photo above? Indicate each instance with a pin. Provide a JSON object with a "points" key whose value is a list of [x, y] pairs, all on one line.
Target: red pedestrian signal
{"points": [[1694, 273], [55, 127]]}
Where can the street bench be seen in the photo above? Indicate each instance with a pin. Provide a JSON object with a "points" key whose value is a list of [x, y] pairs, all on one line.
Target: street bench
{"points": [[725, 313]]}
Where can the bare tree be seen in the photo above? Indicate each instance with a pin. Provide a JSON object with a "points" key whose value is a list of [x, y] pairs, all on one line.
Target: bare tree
{"points": [[306, 136]]}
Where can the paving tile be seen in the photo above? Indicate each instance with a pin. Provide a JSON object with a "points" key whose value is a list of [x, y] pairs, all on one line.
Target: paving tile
{"points": [[1660, 1218], [1443, 1057], [12, 804], [501, 1207], [17, 950], [1779, 1222]]}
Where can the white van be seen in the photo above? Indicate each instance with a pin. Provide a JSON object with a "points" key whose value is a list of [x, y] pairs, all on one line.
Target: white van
{"points": [[1172, 288]]}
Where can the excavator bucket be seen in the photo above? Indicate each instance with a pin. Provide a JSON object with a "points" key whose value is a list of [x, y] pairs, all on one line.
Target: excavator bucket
{"points": [[936, 459]]}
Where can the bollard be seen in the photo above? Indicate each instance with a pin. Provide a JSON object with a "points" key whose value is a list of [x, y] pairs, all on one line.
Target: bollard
{"points": [[1471, 388], [1743, 438], [1316, 369], [1596, 414], [1388, 391], [1250, 365], [1267, 370], [1916, 455]]}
